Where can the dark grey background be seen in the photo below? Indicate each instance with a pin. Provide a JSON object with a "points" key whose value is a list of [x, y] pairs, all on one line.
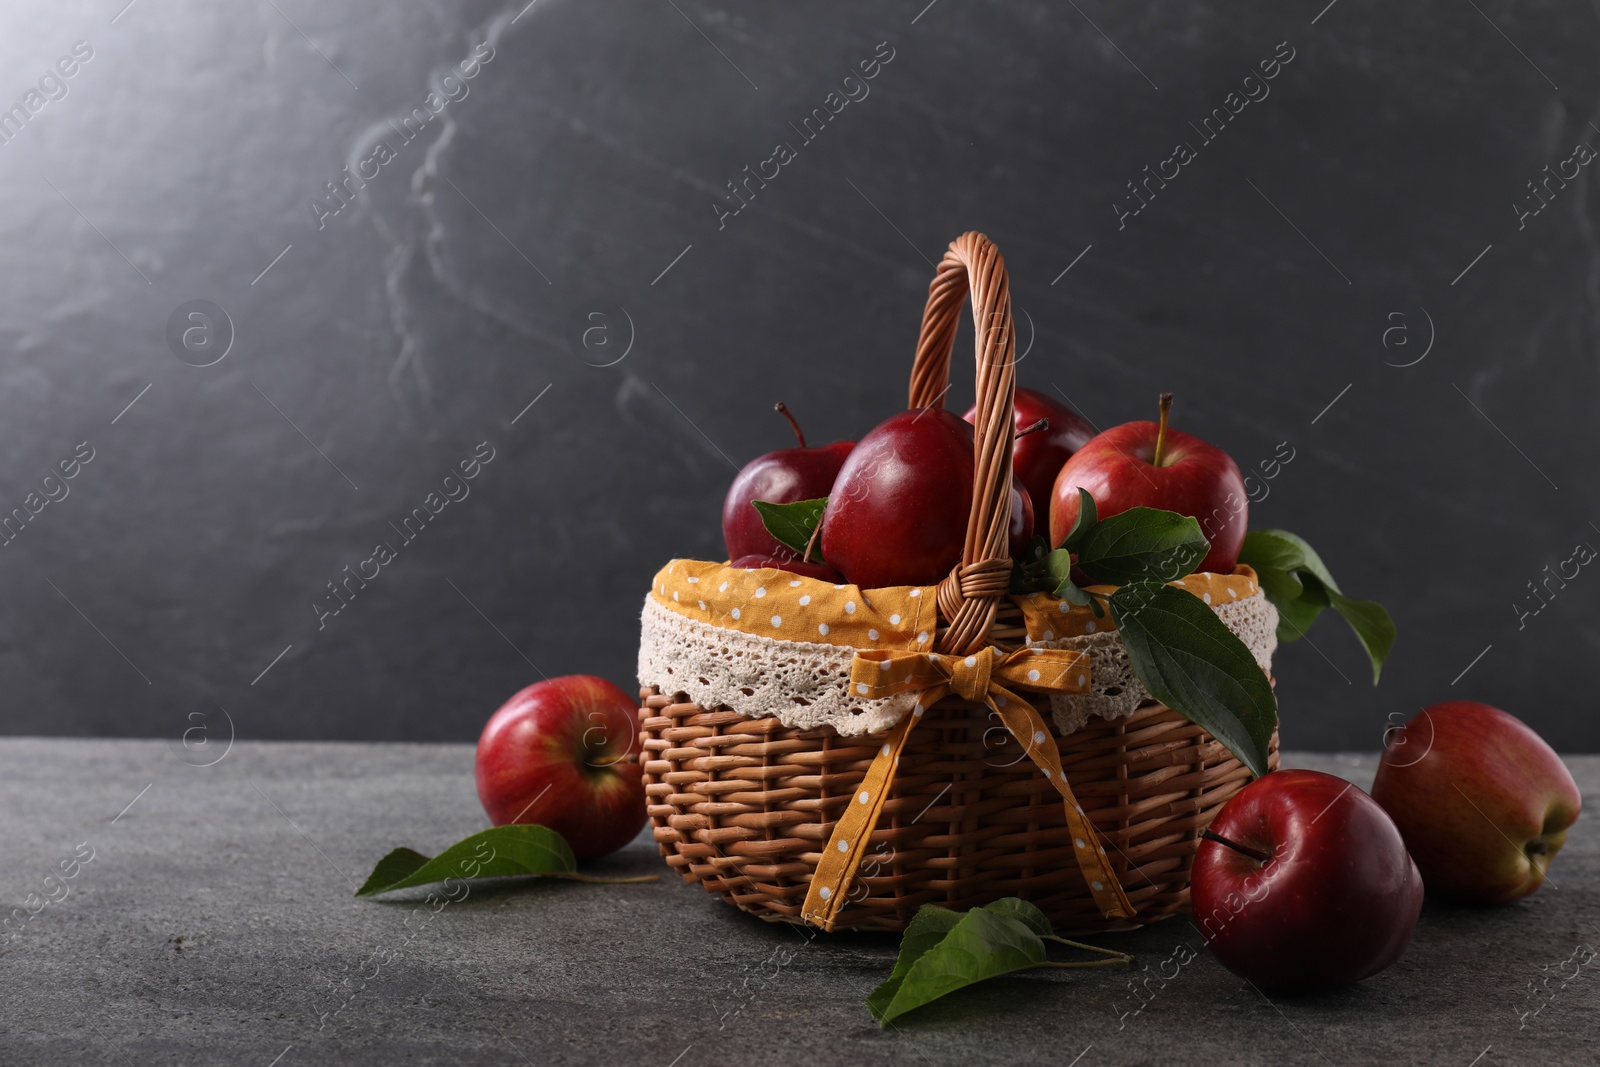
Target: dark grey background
{"points": [[579, 174]]}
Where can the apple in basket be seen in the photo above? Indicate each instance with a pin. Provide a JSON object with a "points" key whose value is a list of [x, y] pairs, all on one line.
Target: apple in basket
{"points": [[1302, 883], [1038, 455], [781, 477], [1145, 464], [805, 568], [557, 754], [897, 513], [1482, 802]]}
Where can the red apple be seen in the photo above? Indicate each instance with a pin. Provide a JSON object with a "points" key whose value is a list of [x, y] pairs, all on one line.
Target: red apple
{"points": [[1482, 802], [1303, 883], [897, 513], [555, 754], [1144, 464], [1037, 457], [793, 566], [781, 477]]}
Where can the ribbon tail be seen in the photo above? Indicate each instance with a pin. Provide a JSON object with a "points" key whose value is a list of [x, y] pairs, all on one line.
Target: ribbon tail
{"points": [[842, 855], [1023, 719]]}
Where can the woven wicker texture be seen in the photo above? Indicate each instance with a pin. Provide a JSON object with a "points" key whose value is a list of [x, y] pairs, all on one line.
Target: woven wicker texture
{"points": [[744, 807]]}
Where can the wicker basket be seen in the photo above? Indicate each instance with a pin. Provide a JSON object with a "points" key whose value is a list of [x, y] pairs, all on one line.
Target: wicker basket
{"points": [[746, 806]]}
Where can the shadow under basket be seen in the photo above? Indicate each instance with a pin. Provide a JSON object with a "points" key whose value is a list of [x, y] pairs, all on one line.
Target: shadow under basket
{"points": [[745, 806]]}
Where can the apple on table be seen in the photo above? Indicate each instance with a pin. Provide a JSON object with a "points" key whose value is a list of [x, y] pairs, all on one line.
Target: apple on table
{"points": [[556, 754], [1302, 883], [1484, 804]]}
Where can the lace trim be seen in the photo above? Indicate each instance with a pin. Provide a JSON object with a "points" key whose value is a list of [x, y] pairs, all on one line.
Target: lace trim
{"points": [[1115, 691], [807, 686], [804, 685]]}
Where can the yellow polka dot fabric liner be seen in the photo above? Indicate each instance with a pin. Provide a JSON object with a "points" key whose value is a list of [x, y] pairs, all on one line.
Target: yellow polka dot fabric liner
{"points": [[771, 603], [1049, 619], [984, 677]]}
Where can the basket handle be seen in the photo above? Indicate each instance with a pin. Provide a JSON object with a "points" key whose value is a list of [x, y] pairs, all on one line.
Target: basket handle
{"points": [[970, 594]]}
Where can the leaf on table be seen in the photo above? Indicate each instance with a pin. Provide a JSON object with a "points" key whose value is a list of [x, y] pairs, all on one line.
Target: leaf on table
{"points": [[1025, 913], [1190, 661], [397, 866], [927, 928], [1142, 544], [497, 852], [983, 943], [793, 524]]}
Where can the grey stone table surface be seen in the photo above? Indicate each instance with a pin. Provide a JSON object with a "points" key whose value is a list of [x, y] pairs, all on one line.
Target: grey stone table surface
{"points": [[214, 923]]}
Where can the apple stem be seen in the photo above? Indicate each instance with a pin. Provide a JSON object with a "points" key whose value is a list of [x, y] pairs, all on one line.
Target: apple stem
{"points": [[1244, 850], [783, 409], [1124, 961], [1042, 424], [590, 879], [1161, 430]]}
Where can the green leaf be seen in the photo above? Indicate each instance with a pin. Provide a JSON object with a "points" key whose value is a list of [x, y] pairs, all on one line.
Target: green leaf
{"points": [[1069, 591], [1027, 570], [1296, 616], [1277, 550], [1371, 623], [982, 944], [793, 524], [494, 853], [1190, 661], [1142, 544], [395, 867], [943, 951], [1022, 911], [1300, 585], [1308, 559], [1088, 515], [1058, 564], [1058, 578], [927, 928], [1279, 585]]}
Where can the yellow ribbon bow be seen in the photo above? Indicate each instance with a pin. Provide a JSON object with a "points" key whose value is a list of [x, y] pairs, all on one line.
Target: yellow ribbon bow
{"points": [[982, 677]]}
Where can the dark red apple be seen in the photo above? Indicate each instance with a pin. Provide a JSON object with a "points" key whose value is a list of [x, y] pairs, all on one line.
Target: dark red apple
{"points": [[1037, 457], [1145, 464], [1020, 533], [1482, 802], [1303, 883], [781, 477], [556, 754], [793, 566], [897, 513]]}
